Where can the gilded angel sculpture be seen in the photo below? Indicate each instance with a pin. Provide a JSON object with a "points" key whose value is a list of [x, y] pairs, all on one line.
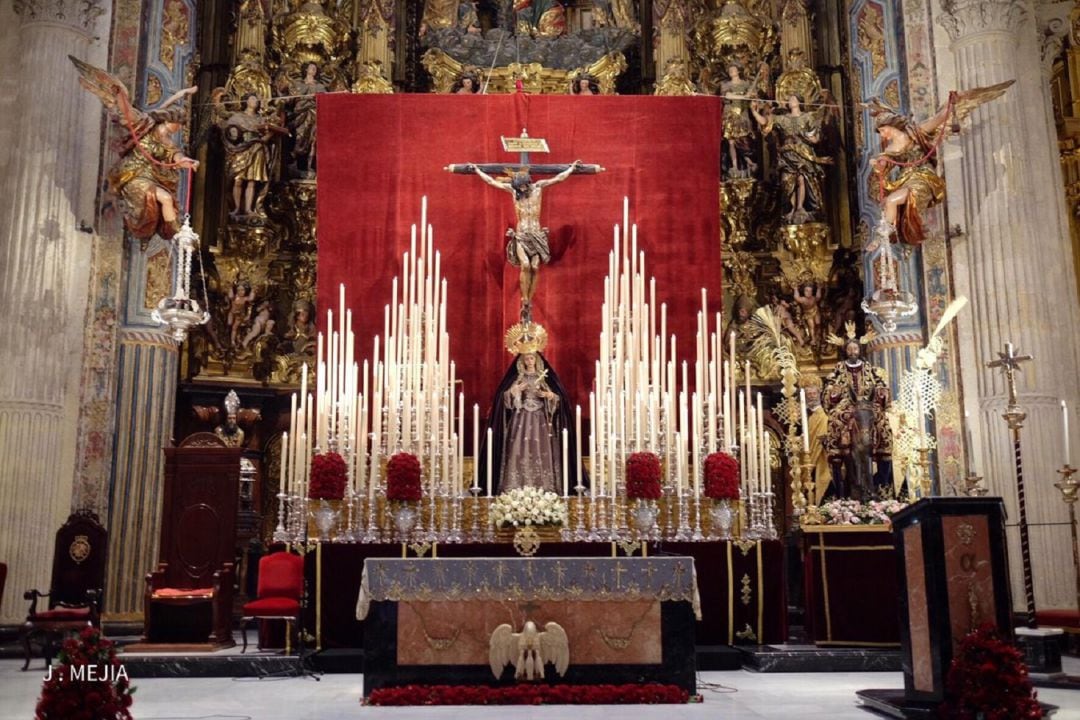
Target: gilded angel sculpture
{"points": [[248, 136], [904, 174], [146, 176], [737, 92], [802, 170], [300, 116]]}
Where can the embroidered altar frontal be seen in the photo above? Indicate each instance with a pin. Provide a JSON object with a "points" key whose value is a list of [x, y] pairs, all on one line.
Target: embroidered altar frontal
{"points": [[435, 621]]}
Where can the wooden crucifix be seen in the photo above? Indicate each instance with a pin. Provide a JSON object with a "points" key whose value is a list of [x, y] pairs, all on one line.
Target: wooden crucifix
{"points": [[527, 247]]}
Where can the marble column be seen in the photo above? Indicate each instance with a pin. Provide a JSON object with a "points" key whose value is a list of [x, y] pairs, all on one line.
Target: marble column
{"points": [[1012, 262], [47, 189], [145, 407]]}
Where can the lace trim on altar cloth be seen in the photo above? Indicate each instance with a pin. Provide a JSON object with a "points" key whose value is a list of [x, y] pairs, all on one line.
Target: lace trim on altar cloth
{"points": [[667, 579]]}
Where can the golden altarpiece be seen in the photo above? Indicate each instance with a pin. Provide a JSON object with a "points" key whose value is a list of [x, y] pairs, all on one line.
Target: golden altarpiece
{"points": [[792, 264]]}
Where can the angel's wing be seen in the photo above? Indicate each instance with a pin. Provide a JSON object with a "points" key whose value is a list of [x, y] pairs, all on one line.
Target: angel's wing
{"points": [[501, 649], [555, 647], [967, 100], [112, 93]]}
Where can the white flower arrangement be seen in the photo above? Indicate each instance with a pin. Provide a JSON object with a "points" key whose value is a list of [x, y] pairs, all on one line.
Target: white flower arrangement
{"points": [[853, 512], [527, 506]]}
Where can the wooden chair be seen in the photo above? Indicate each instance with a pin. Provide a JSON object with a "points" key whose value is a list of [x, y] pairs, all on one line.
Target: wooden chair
{"points": [[75, 591], [188, 599], [281, 583]]}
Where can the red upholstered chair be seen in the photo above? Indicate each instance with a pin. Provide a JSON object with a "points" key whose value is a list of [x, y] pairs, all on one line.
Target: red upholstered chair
{"points": [[281, 583], [78, 579]]}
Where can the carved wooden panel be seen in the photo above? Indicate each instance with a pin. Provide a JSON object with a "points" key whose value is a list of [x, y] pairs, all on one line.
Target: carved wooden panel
{"points": [[199, 514]]}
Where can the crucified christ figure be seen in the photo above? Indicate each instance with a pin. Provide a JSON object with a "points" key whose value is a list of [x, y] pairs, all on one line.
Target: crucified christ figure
{"points": [[527, 248]]}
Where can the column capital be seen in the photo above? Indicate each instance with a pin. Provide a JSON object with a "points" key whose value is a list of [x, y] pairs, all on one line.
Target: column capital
{"points": [[966, 18], [1055, 24], [78, 14]]}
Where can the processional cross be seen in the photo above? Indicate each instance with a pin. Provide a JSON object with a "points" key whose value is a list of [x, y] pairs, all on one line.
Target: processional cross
{"points": [[1009, 362], [527, 248]]}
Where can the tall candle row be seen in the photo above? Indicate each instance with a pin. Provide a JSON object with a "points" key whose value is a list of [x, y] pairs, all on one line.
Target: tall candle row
{"points": [[644, 398], [415, 406], [335, 417], [633, 405], [404, 400]]}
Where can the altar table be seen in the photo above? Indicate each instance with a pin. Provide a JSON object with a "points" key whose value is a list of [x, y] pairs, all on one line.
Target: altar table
{"points": [[627, 619], [741, 585], [852, 597]]}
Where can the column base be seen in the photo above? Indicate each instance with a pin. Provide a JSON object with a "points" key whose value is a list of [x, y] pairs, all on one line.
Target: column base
{"points": [[1042, 651]]}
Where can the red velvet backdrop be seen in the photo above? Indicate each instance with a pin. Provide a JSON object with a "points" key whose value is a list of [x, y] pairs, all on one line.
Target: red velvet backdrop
{"points": [[378, 154]]}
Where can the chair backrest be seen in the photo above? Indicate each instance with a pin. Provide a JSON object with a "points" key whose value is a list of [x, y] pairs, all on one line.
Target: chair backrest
{"points": [[79, 559], [198, 522], [281, 574]]}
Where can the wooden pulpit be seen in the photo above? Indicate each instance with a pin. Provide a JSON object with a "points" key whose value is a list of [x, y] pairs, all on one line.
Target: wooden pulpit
{"points": [[953, 577]]}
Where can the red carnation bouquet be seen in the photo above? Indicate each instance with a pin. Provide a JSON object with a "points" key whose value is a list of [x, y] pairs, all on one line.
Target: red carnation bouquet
{"points": [[721, 476], [643, 476], [403, 478], [328, 477], [88, 683], [526, 694], [989, 680]]}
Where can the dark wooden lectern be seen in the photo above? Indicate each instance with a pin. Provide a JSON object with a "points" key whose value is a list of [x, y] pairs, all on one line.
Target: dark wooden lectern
{"points": [[953, 577]]}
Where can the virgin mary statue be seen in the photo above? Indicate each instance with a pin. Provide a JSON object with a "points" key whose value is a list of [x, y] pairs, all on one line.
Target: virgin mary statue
{"points": [[528, 414]]}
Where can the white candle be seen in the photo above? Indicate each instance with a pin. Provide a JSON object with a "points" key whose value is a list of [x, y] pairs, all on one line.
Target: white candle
{"points": [[565, 463], [1065, 430], [679, 461], [746, 376], [805, 424], [476, 445], [766, 474], [283, 480], [696, 432], [742, 439], [577, 446], [595, 479], [489, 462], [373, 478], [751, 450], [637, 421], [613, 470], [712, 422]]}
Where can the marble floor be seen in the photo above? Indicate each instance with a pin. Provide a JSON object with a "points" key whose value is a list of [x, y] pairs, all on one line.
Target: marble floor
{"points": [[735, 695]]}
